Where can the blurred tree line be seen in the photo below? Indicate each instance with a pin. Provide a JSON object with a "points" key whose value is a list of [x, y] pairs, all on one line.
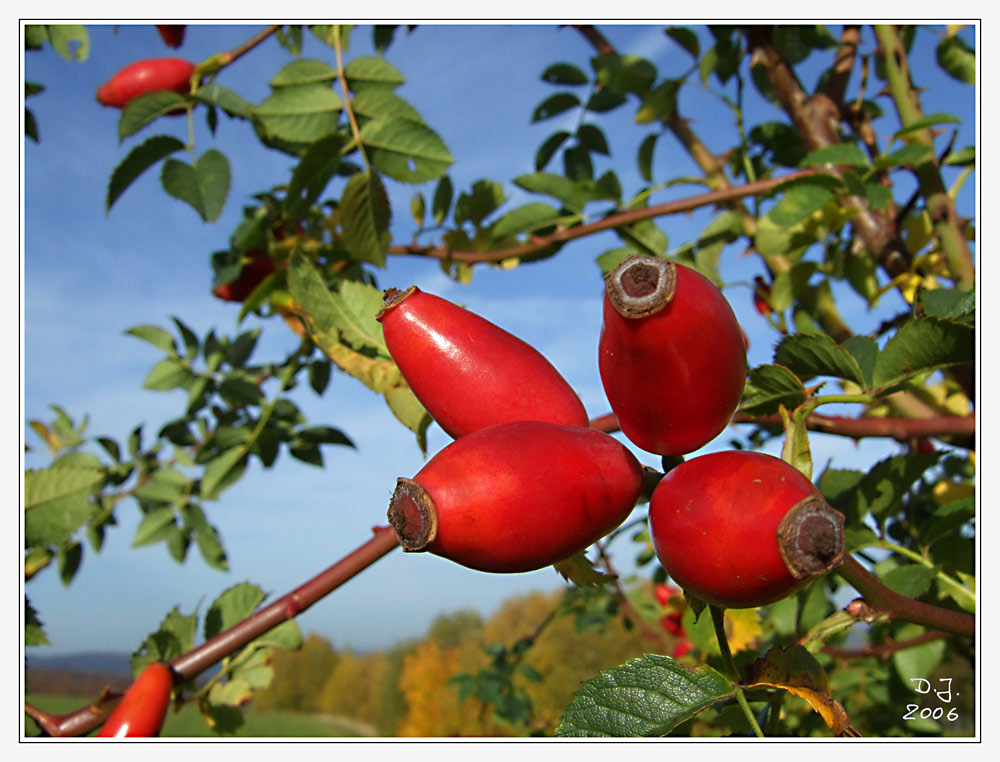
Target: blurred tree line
{"points": [[409, 690]]}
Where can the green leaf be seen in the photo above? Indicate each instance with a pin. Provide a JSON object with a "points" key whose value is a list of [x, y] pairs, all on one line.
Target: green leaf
{"points": [[204, 186], [965, 157], [581, 571], [564, 74], [809, 355], [922, 345], [839, 153], [557, 186], [299, 114], [410, 412], [927, 121], [68, 562], [648, 696], [226, 99], [660, 103], [365, 218], [189, 337], [864, 350], [34, 635], [319, 375], [156, 336], [605, 100], [71, 41], [173, 637], [286, 635], [166, 485], [217, 469], [624, 73], [685, 38], [139, 159], [354, 308], [525, 219], [304, 72], [646, 157], [954, 303], [796, 449], [909, 156], [407, 151], [475, 207], [592, 138], [312, 174], [148, 107], [441, 202], [910, 580], [956, 57], [770, 386], [884, 486], [917, 662], [239, 392], [233, 606], [946, 518], [167, 374], [549, 147], [368, 72], [799, 202], [379, 103], [206, 537], [554, 105], [151, 528]]}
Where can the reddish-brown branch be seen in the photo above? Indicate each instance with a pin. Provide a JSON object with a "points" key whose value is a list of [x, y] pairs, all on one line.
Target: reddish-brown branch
{"points": [[900, 429], [836, 84], [538, 243], [897, 606], [240, 50], [196, 661], [885, 650]]}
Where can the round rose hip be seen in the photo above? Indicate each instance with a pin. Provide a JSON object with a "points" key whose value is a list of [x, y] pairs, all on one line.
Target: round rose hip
{"points": [[672, 356], [517, 497], [742, 529]]}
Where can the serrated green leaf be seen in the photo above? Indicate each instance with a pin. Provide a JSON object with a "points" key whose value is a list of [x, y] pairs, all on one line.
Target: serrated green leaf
{"points": [[239, 392], [548, 148], [286, 635], [151, 528], [909, 156], [233, 606], [57, 483], [71, 41], [799, 202], [441, 203], [922, 345], [167, 374], [365, 218], [648, 696], [864, 350], [166, 485], [312, 174], [886, 483], [660, 103], [205, 536], [156, 336], [299, 114], [558, 186], [145, 109], [139, 159], [226, 99], [624, 73], [554, 105], [646, 157], [796, 449], [927, 121], [474, 207], [203, 186], [770, 386], [410, 412], [581, 571], [839, 153], [367, 72], [355, 306], [610, 259], [218, 469], [917, 662], [956, 57], [685, 38], [34, 635], [910, 580], [304, 72], [173, 637], [525, 219], [946, 518], [564, 74], [405, 150], [954, 303], [809, 355]]}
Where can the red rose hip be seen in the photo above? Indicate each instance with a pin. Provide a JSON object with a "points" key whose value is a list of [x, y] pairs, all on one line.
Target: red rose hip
{"points": [[143, 708], [146, 76], [468, 372], [172, 34], [257, 267], [672, 356], [741, 529], [517, 497]]}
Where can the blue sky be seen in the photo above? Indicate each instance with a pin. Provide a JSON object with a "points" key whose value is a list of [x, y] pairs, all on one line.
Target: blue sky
{"points": [[88, 276]]}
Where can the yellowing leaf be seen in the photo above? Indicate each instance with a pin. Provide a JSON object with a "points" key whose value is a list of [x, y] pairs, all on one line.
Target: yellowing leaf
{"points": [[946, 492], [580, 571], [795, 670], [743, 627]]}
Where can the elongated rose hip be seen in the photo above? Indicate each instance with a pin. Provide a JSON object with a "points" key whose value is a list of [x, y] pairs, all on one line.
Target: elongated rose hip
{"points": [[517, 497], [468, 372], [143, 708], [672, 356], [146, 76], [742, 529]]}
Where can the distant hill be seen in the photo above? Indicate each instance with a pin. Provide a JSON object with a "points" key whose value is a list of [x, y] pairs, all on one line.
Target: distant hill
{"points": [[111, 662]]}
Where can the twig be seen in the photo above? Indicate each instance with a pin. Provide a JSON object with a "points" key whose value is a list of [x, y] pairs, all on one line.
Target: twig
{"points": [[538, 243], [884, 650], [228, 57]]}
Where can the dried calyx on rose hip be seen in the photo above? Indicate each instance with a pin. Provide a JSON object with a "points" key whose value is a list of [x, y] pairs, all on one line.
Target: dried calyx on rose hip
{"points": [[742, 529], [672, 355], [143, 708], [468, 372], [517, 497]]}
